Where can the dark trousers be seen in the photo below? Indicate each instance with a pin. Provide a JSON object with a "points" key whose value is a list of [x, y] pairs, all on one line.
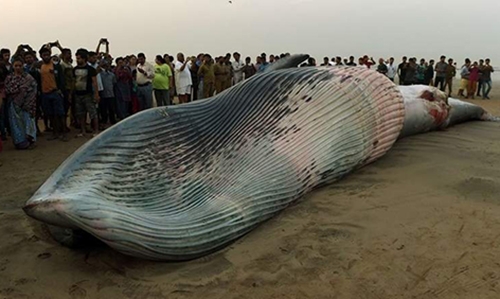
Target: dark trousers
{"points": [[145, 96], [162, 97], [479, 87], [4, 119], [122, 109], [107, 110], [441, 82], [194, 94]]}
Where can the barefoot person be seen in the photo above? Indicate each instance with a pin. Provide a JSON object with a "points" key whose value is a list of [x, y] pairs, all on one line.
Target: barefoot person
{"points": [[162, 82], [21, 90], [473, 79], [86, 92], [144, 78], [464, 75], [183, 78], [487, 70], [52, 85], [451, 71]]}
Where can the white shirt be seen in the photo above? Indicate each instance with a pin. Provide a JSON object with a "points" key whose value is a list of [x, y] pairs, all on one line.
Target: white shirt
{"points": [[238, 70], [100, 86], [183, 78], [391, 71], [146, 78]]}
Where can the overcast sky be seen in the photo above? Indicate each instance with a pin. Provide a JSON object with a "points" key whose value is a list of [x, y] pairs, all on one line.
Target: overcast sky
{"points": [[380, 28]]}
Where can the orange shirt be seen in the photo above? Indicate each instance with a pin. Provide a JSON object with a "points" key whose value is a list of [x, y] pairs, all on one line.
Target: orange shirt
{"points": [[48, 78]]}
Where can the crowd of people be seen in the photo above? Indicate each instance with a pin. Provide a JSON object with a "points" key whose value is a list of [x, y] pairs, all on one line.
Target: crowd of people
{"points": [[103, 90], [475, 77]]}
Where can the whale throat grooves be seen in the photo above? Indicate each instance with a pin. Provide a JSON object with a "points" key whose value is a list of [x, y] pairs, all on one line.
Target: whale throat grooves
{"points": [[179, 182]]}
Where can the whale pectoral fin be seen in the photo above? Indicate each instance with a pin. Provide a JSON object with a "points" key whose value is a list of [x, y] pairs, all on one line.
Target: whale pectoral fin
{"points": [[287, 62]]}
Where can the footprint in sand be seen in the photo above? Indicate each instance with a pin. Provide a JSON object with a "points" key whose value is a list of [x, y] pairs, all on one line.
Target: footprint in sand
{"points": [[44, 255], [77, 292]]}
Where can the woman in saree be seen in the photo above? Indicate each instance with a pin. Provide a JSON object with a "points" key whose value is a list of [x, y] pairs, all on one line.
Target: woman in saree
{"points": [[21, 89]]}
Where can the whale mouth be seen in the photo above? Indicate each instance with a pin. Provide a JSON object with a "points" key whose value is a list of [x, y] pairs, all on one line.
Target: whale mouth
{"points": [[49, 211]]}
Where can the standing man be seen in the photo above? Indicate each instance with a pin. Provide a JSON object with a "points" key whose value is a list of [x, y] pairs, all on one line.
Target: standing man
{"points": [[92, 61], [271, 58], [162, 82], [338, 61], [207, 72], [464, 75], [183, 79], [263, 65], [219, 74], [487, 70], [451, 71], [229, 72], [402, 71], [382, 68], [195, 66], [481, 78], [441, 67], [429, 73], [51, 93], [368, 62], [326, 61], [249, 68], [238, 66], [144, 79], [107, 101], [124, 81], [351, 61], [411, 71], [391, 69], [86, 92], [69, 82], [420, 73]]}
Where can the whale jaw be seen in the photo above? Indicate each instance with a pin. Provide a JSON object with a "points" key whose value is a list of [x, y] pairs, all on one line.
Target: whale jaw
{"points": [[48, 210]]}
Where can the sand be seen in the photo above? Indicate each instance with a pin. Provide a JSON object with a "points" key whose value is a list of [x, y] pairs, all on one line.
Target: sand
{"points": [[422, 222]]}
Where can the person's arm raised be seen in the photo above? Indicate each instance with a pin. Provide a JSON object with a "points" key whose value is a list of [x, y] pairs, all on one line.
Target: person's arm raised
{"points": [[184, 65], [99, 46]]}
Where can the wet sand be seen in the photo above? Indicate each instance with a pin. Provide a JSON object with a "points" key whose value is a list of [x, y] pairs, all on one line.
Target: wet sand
{"points": [[422, 222]]}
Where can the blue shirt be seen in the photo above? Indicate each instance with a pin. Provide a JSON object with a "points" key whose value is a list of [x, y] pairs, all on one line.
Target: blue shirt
{"points": [[108, 83], [263, 66]]}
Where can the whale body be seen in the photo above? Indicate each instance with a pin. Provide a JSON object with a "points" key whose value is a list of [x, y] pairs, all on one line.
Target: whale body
{"points": [[179, 182]]}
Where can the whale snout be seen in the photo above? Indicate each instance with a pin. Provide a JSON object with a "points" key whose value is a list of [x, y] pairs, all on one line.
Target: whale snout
{"points": [[48, 210]]}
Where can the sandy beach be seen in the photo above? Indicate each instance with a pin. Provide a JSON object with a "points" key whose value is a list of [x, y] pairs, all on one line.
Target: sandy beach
{"points": [[422, 222]]}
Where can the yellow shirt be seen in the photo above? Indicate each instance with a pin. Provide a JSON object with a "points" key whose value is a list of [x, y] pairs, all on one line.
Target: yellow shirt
{"points": [[48, 77]]}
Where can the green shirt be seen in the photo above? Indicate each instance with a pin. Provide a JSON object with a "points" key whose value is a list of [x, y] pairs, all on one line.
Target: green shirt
{"points": [[162, 77]]}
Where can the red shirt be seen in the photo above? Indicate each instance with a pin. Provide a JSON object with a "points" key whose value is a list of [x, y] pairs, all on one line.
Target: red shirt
{"points": [[474, 74], [368, 64]]}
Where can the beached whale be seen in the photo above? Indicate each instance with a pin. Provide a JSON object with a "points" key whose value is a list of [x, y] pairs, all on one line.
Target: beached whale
{"points": [[179, 182]]}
